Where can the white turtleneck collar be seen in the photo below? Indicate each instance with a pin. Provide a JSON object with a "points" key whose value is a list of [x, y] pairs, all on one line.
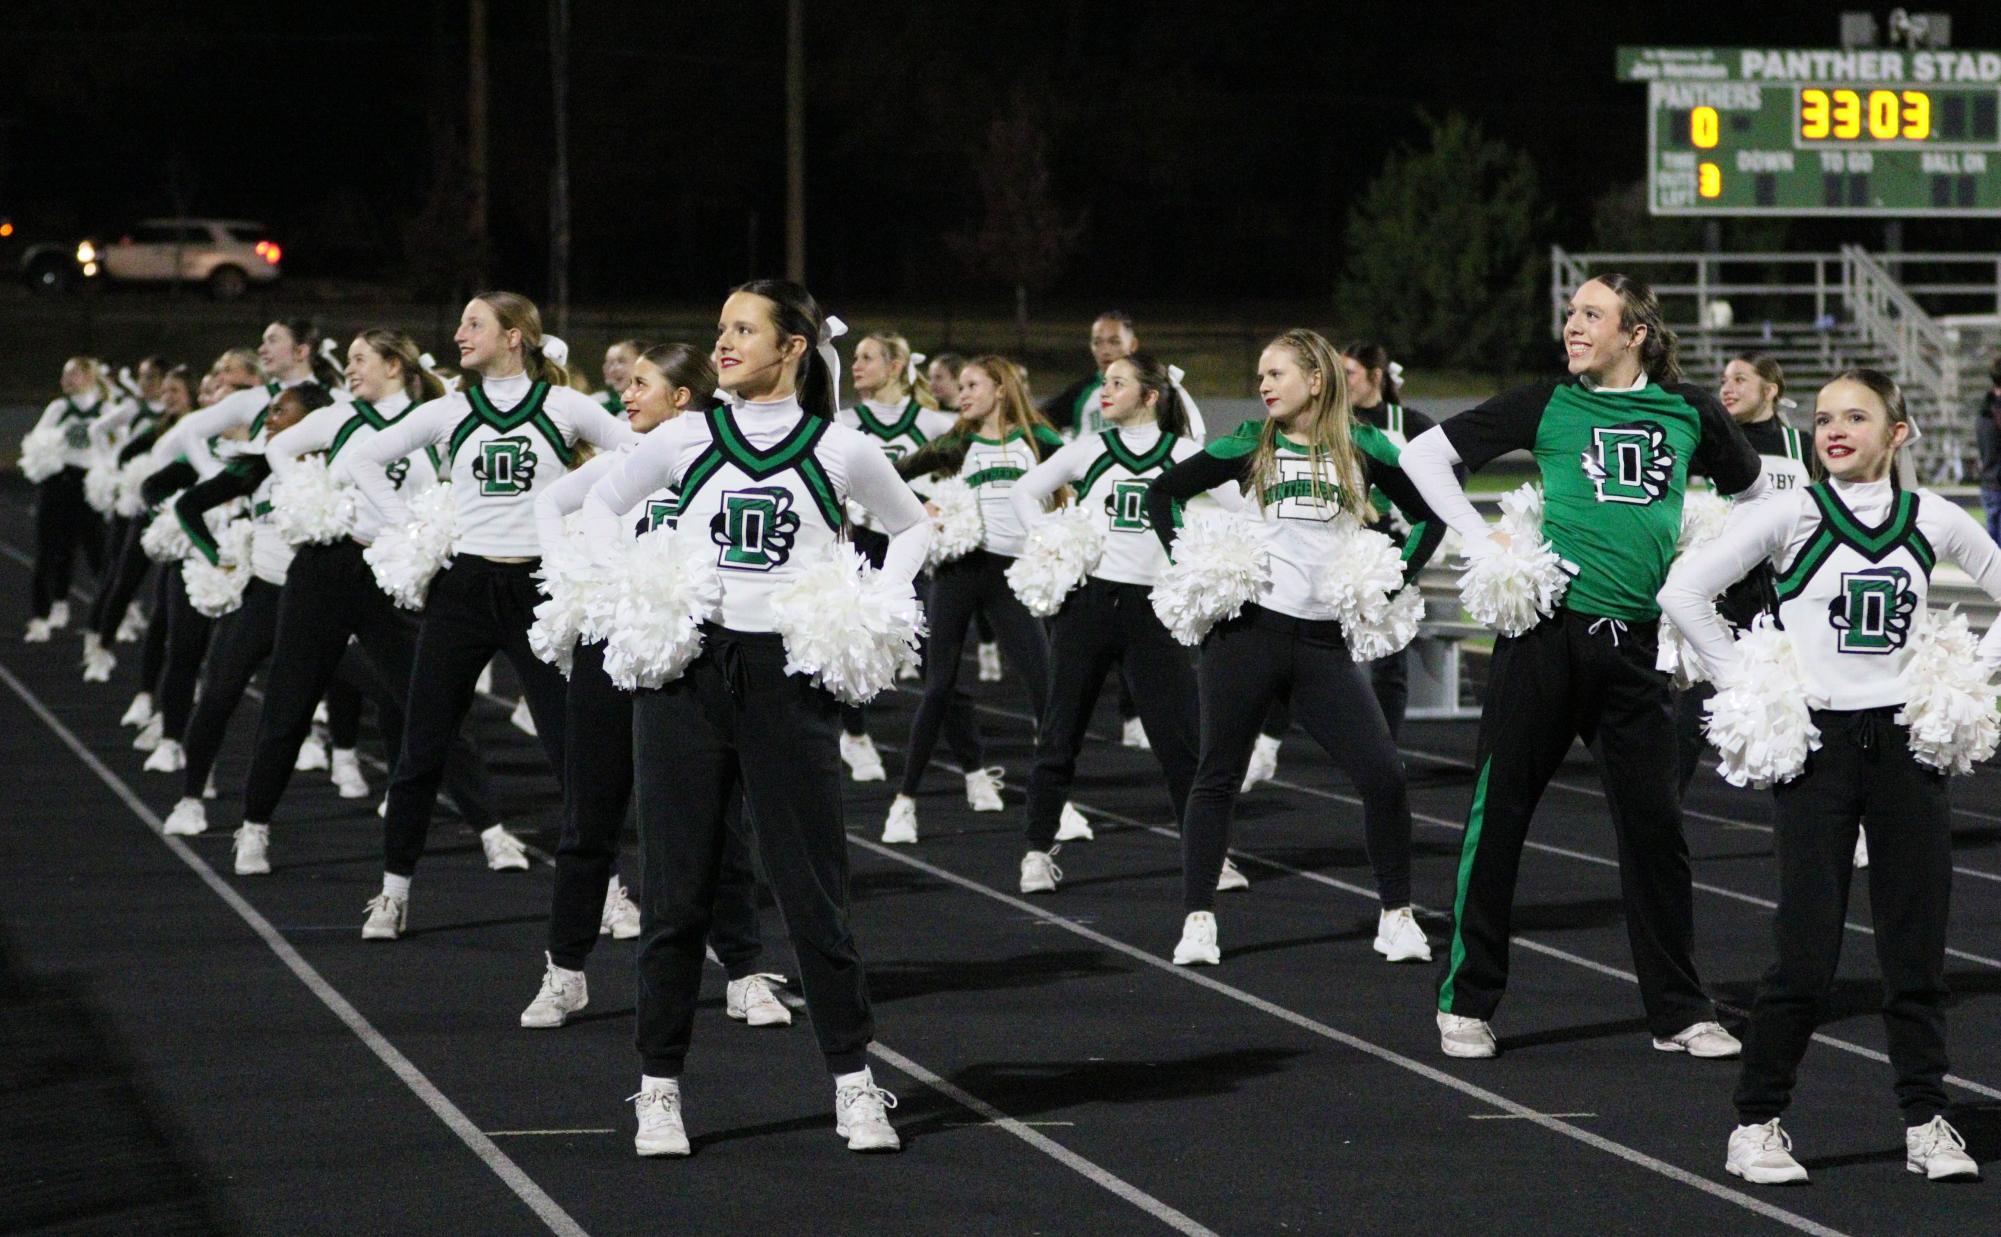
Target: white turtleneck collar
{"points": [[1593, 385], [507, 391], [1142, 435], [1864, 496], [787, 408]]}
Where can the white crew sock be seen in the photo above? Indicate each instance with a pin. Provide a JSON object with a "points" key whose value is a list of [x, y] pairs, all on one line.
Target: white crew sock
{"points": [[860, 1078], [648, 1082], [396, 886]]}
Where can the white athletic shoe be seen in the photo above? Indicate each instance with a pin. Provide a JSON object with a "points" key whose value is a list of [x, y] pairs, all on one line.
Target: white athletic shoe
{"points": [[1072, 826], [1039, 873], [749, 1000], [1399, 938], [901, 827], [504, 852], [253, 850], [1469, 1038], [38, 632], [132, 627], [563, 993], [1703, 1039], [659, 1113], [387, 915], [621, 918], [1229, 880], [346, 774], [151, 733], [59, 616], [861, 1113], [522, 718], [166, 758], [484, 684], [983, 790], [98, 664], [1198, 941], [208, 790], [139, 712], [188, 818], [1763, 1155], [990, 663], [863, 761], [1936, 1150], [1861, 850], [1133, 734], [312, 755], [1264, 762]]}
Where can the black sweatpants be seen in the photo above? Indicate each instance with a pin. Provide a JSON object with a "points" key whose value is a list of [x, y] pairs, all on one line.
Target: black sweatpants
{"points": [[128, 566], [1863, 776], [1245, 662], [188, 632], [476, 608], [1389, 678], [598, 787], [153, 653], [962, 726], [975, 583], [1103, 626], [64, 523], [1576, 675], [736, 725], [330, 594], [242, 642], [1689, 742]]}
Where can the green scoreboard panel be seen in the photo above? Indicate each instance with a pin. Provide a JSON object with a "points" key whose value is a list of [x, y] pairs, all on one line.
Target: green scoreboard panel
{"points": [[1870, 131]]}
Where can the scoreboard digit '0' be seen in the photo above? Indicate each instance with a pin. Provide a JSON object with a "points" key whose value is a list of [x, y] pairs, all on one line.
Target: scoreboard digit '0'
{"points": [[1872, 131]]}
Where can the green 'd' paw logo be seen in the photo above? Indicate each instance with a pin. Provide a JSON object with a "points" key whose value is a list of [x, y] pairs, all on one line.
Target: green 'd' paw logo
{"points": [[1629, 463], [1873, 611], [1126, 504], [505, 467], [755, 528]]}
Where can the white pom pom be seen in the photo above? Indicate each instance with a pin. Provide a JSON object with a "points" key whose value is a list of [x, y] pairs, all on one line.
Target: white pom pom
{"points": [[1676, 658], [847, 625], [309, 508], [131, 502], [164, 540], [1950, 709], [1521, 511], [214, 589], [1392, 631], [667, 588], [42, 454], [100, 485], [1220, 563], [406, 557], [1759, 718], [1703, 515], [957, 528], [1061, 550], [1359, 572], [581, 600]]}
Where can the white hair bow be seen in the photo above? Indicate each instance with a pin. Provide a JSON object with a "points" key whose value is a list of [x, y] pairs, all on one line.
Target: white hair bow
{"points": [[910, 369], [830, 330], [1396, 372], [554, 348]]}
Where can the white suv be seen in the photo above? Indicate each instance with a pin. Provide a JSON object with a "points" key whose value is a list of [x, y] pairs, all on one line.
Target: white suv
{"points": [[226, 254]]}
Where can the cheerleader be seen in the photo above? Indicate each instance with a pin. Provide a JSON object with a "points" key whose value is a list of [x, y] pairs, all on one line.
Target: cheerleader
{"points": [[1853, 557], [288, 354], [999, 436], [119, 436], [736, 723], [1107, 621], [1307, 465], [508, 433], [64, 522], [177, 395], [617, 369], [588, 900], [1615, 441]]}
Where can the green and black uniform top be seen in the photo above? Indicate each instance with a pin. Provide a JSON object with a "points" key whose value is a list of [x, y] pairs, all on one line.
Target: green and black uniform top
{"points": [[1299, 503], [989, 467], [1614, 467], [1399, 425], [1074, 410], [247, 476]]}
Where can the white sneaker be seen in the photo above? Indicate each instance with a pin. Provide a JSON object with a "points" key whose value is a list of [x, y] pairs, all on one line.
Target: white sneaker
{"points": [[38, 632], [1399, 938], [621, 918], [1763, 1155], [484, 684], [346, 774], [990, 666], [504, 852], [563, 993], [139, 712], [523, 720], [863, 761], [1264, 762], [387, 914], [901, 827], [132, 627], [253, 850], [659, 1113], [1707, 1040], [312, 755], [188, 818], [861, 1113], [1039, 873], [208, 790], [1133, 734], [1861, 850], [59, 616], [98, 665], [749, 1000], [1072, 826], [150, 735], [1470, 1038], [1230, 879], [1936, 1150], [167, 757], [983, 790], [1198, 941]]}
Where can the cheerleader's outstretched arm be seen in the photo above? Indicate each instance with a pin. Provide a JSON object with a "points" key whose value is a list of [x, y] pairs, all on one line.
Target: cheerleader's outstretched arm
{"points": [[367, 465], [1960, 538], [1688, 599]]}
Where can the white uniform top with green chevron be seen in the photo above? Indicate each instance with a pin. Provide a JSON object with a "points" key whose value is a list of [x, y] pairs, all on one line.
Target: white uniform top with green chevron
{"points": [[990, 469], [898, 429], [1854, 564], [73, 416], [191, 434], [1109, 473], [338, 431], [766, 484], [660, 509], [501, 442]]}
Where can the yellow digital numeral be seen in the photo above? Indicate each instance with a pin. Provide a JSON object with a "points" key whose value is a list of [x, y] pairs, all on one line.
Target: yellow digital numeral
{"points": [[1917, 115], [1847, 115], [1813, 114], [1709, 180], [1704, 127], [1883, 115]]}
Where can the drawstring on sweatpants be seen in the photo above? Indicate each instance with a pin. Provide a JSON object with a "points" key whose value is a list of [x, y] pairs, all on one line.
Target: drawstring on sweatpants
{"points": [[1618, 627]]}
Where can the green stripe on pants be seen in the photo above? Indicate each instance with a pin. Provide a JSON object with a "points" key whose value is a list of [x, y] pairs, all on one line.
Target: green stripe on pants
{"points": [[1466, 853]]}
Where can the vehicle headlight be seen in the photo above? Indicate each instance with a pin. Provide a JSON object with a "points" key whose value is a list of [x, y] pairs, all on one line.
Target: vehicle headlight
{"points": [[86, 252]]}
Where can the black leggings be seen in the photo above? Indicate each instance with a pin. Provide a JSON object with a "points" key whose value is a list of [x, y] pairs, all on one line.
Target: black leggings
{"points": [[187, 644], [242, 641], [153, 653], [1245, 661], [977, 582], [63, 523], [1389, 678], [1104, 625], [121, 584], [962, 727]]}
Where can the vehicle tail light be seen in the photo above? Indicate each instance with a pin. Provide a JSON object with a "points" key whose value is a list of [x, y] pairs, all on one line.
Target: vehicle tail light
{"points": [[269, 251]]}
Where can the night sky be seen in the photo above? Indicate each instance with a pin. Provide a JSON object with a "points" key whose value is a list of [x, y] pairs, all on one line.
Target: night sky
{"points": [[1209, 150]]}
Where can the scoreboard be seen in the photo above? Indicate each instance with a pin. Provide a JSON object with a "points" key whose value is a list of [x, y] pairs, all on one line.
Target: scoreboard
{"points": [[1869, 131]]}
